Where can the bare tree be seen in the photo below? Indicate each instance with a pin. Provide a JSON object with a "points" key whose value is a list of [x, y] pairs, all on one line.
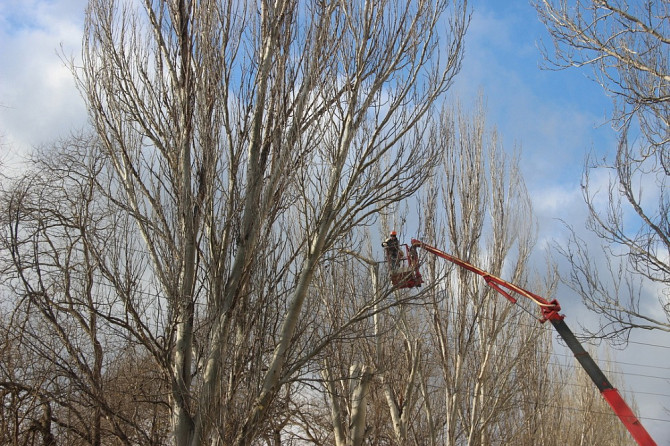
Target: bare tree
{"points": [[454, 362], [228, 126], [626, 45], [451, 362], [349, 422], [25, 414], [402, 374], [582, 410], [63, 321], [486, 349]]}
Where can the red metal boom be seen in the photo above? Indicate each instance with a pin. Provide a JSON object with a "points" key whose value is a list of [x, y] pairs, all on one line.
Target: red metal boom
{"points": [[550, 312]]}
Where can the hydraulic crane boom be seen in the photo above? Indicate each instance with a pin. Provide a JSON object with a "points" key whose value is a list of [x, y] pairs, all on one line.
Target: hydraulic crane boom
{"points": [[550, 312]]}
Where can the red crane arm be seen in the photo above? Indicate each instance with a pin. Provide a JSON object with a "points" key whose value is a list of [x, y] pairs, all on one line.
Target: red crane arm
{"points": [[550, 312]]}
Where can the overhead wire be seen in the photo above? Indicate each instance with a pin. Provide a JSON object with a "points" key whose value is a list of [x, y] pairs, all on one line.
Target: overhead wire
{"points": [[157, 294], [552, 352]]}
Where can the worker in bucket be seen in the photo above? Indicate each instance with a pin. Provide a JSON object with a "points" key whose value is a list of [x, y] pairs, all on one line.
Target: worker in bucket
{"points": [[392, 247]]}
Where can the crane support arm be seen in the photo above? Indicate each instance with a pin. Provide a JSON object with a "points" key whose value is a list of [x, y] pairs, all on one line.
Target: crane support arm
{"points": [[550, 312], [611, 395]]}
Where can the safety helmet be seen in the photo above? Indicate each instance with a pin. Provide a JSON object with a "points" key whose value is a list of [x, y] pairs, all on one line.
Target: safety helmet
{"points": [[394, 233]]}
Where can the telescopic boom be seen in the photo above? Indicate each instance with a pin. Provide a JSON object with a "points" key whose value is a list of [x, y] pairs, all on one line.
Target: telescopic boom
{"points": [[550, 312]]}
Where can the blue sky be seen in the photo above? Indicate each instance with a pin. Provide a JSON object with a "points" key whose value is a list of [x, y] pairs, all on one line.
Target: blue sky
{"points": [[555, 117]]}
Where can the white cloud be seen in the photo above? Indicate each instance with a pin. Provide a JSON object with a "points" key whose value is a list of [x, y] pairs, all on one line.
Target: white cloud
{"points": [[556, 199], [38, 98]]}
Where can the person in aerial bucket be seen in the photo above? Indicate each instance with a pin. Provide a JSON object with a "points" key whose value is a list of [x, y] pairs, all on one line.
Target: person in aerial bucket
{"points": [[392, 247]]}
